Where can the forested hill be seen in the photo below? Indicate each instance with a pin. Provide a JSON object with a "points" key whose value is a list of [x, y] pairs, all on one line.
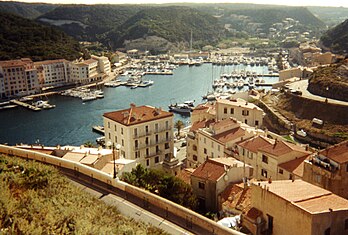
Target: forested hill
{"points": [[174, 23], [26, 10], [336, 39], [90, 22], [20, 37]]}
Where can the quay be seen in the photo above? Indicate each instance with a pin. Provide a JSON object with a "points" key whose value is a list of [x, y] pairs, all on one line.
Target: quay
{"points": [[25, 105]]}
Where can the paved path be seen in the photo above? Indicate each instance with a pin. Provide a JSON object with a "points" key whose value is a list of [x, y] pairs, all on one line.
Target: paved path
{"points": [[302, 85], [131, 210]]}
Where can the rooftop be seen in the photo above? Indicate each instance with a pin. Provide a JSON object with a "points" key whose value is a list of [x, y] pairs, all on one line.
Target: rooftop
{"points": [[239, 103], [49, 62], [137, 114], [295, 166], [208, 107], [15, 63], [305, 196], [201, 124], [337, 152], [255, 143], [230, 135], [281, 147]]}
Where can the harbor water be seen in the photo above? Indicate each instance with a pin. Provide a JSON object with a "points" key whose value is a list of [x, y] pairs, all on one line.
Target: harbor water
{"points": [[70, 123]]}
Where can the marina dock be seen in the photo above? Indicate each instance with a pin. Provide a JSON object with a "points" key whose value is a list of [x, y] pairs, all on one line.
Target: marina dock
{"points": [[25, 105]]}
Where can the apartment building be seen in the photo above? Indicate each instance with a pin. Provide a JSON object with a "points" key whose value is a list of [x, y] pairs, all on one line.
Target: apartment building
{"points": [[276, 159], [240, 109], [84, 72], [328, 169], [211, 178], [144, 133], [18, 78], [103, 64], [215, 139], [52, 72], [290, 207]]}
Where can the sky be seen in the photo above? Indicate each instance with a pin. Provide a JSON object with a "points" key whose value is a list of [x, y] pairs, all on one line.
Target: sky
{"points": [[334, 3]]}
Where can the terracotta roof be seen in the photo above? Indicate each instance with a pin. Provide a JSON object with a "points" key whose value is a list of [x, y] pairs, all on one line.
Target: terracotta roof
{"points": [[90, 61], [225, 123], [295, 166], [240, 103], [305, 196], [201, 124], [209, 170], [338, 152], [185, 175], [230, 135], [253, 213], [281, 147], [135, 115], [15, 63], [256, 143]]}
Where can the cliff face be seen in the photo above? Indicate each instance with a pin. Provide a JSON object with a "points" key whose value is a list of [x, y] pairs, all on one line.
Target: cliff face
{"points": [[331, 82]]}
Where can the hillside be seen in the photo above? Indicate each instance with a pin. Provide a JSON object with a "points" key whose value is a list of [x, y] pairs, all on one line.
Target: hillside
{"points": [[25, 38], [174, 24], [36, 199], [336, 39], [90, 22], [26, 10], [330, 15]]}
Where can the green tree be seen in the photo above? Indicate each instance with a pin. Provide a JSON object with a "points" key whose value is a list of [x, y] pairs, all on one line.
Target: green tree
{"points": [[179, 125]]}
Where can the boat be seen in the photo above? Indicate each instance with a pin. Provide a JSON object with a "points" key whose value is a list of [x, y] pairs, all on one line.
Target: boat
{"points": [[146, 83], [40, 103], [98, 129], [89, 97], [190, 103], [100, 140], [180, 108]]}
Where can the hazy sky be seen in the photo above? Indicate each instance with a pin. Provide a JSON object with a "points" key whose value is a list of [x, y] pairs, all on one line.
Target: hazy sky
{"points": [[336, 3]]}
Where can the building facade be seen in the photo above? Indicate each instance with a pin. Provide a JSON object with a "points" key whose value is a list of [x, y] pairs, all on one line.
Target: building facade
{"points": [[18, 78], [329, 169], [240, 109], [144, 133], [53, 72], [84, 72], [211, 178], [103, 64]]}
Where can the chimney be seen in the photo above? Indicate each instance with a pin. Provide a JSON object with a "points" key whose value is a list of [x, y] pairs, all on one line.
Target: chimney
{"points": [[132, 105]]}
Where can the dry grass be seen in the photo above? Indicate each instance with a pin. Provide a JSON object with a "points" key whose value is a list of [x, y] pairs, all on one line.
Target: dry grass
{"points": [[36, 199]]}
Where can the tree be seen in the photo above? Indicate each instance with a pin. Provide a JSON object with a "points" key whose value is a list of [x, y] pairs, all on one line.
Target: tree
{"points": [[179, 125], [88, 144]]}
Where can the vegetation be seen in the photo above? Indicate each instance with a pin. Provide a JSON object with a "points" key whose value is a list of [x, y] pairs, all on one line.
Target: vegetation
{"points": [[164, 185], [25, 38], [26, 10], [336, 39], [179, 125], [36, 199]]}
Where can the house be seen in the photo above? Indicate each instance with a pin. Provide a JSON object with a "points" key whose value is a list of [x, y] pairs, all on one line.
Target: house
{"points": [[84, 72], [235, 199], [145, 134], [103, 64], [277, 159], [288, 207], [240, 109], [212, 177], [18, 78], [328, 169]]}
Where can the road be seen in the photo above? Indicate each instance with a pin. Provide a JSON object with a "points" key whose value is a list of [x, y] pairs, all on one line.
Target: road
{"points": [[302, 85]]}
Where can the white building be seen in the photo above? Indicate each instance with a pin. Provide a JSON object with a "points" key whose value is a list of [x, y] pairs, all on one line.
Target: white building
{"points": [[52, 72], [144, 133], [103, 64], [18, 78], [240, 109], [84, 72]]}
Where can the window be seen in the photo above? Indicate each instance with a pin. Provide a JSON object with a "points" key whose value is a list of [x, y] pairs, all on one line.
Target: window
{"points": [[135, 132], [205, 151], [264, 159], [232, 111], [146, 129], [212, 154], [115, 139], [147, 152], [136, 143], [280, 171], [167, 136], [201, 185], [147, 162], [167, 125], [291, 177], [166, 145], [256, 122], [225, 110], [245, 112], [137, 154], [347, 168], [122, 142], [157, 149], [121, 131], [108, 124], [194, 157], [156, 139], [205, 140], [147, 140], [194, 147], [246, 121], [219, 148], [264, 173], [156, 127], [115, 128], [157, 159], [109, 136], [251, 155]]}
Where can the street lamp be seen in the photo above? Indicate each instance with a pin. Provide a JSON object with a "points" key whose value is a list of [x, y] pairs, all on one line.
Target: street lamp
{"points": [[118, 146]]}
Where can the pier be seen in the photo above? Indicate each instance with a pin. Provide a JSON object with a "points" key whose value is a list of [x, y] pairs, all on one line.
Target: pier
{"points": [[25, 105]]}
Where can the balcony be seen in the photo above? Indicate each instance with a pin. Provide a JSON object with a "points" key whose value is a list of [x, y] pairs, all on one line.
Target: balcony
{"points": [[142, 134], [164, 129], [151, 143]]}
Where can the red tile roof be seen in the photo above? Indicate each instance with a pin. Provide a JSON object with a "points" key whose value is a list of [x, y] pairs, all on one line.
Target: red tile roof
{"points": [[210, 170], [338, 152], [204, 108], [295, 166], [256, 143], [253, 213], [281, 147], [230, 135], [135, 115], [15, 63], [49, 62], [201, 124]]}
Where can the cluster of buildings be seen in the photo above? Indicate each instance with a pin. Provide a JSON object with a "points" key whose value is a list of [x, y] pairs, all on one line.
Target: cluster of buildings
{"points": [[25, 77]]}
